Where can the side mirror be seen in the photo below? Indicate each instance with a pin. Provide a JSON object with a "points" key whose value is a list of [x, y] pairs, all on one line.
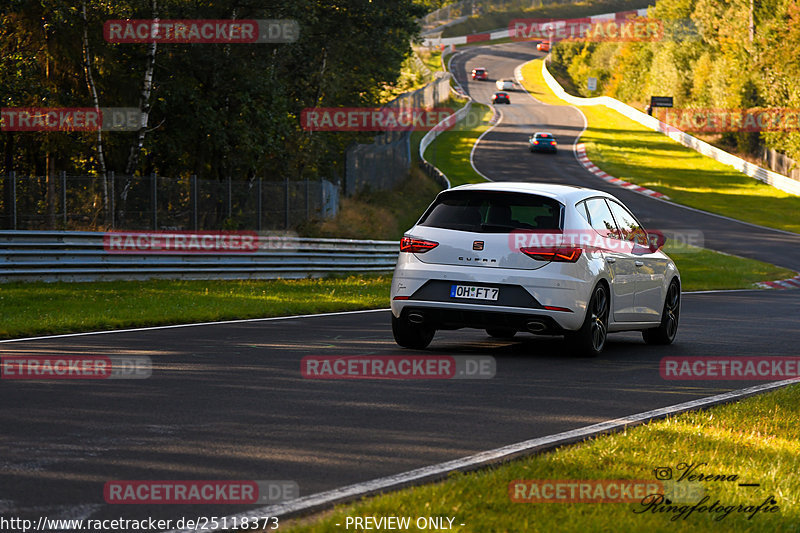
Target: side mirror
{"points": [[656, 240]]}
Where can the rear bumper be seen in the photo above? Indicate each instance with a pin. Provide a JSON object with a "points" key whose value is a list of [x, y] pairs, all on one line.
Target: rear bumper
{"points": [[440, 317], [551, 286]]}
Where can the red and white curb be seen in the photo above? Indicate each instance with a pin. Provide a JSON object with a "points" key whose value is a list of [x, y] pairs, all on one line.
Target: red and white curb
{"points": [[791, 283], [580, 152]]}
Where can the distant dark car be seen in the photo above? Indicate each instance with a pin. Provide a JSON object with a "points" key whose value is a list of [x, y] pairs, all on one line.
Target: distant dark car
{"points": [[480, 74], [541, 141], [543, 46], [501, 98]]}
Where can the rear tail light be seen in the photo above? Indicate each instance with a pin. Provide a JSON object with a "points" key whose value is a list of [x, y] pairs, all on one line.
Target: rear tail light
{"points": [[535, 142], [416, 246], [566, 254]]}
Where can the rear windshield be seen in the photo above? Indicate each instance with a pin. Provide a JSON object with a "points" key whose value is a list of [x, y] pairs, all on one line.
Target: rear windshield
{"points": [[493, 212]]}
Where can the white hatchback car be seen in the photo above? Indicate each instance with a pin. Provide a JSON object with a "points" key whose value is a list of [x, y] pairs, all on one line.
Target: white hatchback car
{"points": [[541, 258], [504, 85]]}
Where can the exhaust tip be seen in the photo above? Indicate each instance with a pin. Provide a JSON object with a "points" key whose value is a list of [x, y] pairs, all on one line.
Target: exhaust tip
{"points": [[535, 326], [416, 318]]}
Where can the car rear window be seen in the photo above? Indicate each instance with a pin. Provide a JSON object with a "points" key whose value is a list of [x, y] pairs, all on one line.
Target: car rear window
{"points": [[493, 212]]}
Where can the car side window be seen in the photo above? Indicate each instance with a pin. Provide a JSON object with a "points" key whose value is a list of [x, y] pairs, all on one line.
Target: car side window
{"points": [[631, 229], [600, 218]]}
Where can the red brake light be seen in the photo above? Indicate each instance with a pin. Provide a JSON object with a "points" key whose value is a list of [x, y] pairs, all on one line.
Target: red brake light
{"points": [[567, 254], [535, 142], [554, 308], [416, 246]]}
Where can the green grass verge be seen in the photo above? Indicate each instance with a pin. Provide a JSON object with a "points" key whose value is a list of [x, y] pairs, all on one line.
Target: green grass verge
{"points": [[627, 150], [450, 151], [51, 308], [703, 269], [757, 439], [47, 308]]}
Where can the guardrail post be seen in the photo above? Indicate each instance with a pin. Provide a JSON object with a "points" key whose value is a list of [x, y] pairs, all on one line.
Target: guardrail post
{"points": [[154, 199], [13, 176], [64, 195], [258, 206], [193, 184]]}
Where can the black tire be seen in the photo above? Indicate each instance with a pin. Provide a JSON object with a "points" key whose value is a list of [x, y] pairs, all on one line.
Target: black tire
{"points": [[410, 335], [501, 333], [666, 332], [591, 338]]}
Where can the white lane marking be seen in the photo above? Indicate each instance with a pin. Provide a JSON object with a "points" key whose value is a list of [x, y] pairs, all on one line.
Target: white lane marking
{"points": [[153, 328], [440, 471], [715, 291], [480, 137]]}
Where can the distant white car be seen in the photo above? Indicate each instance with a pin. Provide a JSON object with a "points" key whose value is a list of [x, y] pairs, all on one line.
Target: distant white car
{"points": [[541, 258], [504, 85]]}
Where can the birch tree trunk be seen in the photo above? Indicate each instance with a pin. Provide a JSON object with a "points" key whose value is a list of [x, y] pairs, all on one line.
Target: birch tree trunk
{"points": [[87, 69], [144, 108]]}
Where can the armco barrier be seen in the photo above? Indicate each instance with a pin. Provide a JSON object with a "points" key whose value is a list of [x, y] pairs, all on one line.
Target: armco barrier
{"points": [[754, 171], [443, 126], [81, 256]]}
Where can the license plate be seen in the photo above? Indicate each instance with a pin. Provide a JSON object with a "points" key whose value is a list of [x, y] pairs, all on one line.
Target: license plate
{"points": [[474, 293]]}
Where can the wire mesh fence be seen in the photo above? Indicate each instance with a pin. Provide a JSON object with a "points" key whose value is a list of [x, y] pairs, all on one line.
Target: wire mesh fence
{"points": [[386, 162], [157, 202]]}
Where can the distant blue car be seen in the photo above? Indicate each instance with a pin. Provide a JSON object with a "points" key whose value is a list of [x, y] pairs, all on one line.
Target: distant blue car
{"points": [[542, 141]]}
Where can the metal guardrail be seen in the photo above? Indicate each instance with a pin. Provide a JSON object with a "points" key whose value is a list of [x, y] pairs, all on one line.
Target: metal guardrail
{"points": [[82, 256]]}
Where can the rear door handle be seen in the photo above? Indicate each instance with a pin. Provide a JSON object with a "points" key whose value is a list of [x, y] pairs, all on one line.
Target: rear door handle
{"points": [[638, 263], [611, 259]]}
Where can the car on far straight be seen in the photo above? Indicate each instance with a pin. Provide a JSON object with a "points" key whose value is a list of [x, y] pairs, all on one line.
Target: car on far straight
{"points": [[501, 98], [533, 257], [480, 74], [504, 85], [541, 141], [543, 46]]}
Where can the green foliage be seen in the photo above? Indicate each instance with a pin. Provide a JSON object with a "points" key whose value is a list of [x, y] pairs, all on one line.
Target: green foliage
{"points": [[218, 110], [705, 60]]}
